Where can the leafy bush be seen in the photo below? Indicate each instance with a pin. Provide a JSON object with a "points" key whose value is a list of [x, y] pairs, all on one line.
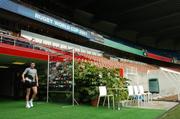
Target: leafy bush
{"points": [[88, 78]]}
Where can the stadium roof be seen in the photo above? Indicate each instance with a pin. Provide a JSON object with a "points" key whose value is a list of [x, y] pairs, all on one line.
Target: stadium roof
{"points": [[149, 23]]}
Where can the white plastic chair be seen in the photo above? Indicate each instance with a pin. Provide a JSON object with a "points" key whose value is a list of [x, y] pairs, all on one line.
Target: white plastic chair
{"points": [[141, 91], [148, 95], [137, 95], [130, 93], [103, 93]]}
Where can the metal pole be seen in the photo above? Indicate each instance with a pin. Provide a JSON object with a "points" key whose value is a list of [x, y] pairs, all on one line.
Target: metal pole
{"points": [[14, 42], [73, 77], [1, 39], [47, 98]]}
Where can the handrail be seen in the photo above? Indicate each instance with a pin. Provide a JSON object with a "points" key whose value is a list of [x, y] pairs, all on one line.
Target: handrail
{"points": [[15, 41], [14, 37], [19, 41]]}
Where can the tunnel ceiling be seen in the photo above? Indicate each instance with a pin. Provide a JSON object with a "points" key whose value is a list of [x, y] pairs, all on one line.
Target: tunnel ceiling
{"points": [[7, 60]]}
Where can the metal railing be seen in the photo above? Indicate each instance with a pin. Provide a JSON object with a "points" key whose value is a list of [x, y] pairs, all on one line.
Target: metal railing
{"points": [[22, 42], [10, 40]]}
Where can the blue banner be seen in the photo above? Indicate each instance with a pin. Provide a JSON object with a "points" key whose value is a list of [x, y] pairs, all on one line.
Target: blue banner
{"points": [[30, 13]]}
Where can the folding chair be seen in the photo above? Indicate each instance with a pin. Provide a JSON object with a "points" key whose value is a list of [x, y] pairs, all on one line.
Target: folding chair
{"points": [[103, 93]]}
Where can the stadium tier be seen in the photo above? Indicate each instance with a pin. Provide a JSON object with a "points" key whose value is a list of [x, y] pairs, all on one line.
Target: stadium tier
{"points": [[91, 35], [99, 61]]}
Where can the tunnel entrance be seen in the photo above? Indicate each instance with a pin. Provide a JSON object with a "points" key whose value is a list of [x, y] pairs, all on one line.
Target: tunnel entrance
{"points": [[11, 69]]}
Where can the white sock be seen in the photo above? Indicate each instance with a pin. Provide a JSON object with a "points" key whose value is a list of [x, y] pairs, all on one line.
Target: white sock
{"points": [[31, 103], [31, 100]]}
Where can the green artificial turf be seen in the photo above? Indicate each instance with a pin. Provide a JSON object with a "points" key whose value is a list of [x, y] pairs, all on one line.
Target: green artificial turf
{"points": [[172, 114], [41, 110]]}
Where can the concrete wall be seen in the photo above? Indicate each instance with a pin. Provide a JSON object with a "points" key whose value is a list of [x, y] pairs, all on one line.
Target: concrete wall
{"points": [[169, 83]]}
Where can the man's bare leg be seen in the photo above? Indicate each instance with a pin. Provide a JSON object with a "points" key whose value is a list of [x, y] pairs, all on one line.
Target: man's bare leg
{"points": [[28, 90], [34, 89]]}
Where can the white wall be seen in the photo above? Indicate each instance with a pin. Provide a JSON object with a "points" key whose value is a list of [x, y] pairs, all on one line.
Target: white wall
{"points": [[169, 82]]}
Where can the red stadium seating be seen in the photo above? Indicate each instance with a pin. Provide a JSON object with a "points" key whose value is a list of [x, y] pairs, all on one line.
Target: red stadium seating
{"points": [[99, 61]]}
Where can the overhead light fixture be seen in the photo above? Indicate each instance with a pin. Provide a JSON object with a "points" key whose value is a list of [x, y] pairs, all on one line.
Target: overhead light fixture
{"points": [[4, 67], [18, 63]]}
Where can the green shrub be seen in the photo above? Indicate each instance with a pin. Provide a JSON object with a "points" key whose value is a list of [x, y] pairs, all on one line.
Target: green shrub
{"points": [[88, 78]]}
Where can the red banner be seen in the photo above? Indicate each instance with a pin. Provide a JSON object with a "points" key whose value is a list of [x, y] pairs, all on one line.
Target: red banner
{"points": [[158, 57]]}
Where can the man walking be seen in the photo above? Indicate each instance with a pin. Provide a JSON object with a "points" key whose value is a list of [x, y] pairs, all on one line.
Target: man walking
{"points": [[30, 79]]}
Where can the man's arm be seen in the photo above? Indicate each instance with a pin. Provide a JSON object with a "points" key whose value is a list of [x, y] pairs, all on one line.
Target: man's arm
{"points": [[37, 79], [23, 74]]}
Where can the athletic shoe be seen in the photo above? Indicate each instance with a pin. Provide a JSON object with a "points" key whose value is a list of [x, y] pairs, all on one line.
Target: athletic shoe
{"points": [[31, 103], [28, 106]]}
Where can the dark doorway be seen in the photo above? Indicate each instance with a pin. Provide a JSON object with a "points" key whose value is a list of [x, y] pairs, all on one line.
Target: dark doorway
{"points": [[11, 69]]}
